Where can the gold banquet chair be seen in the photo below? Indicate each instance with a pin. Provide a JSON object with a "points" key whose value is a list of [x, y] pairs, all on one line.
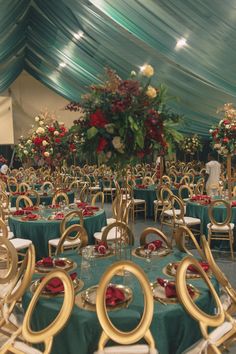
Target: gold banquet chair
{"points": [[221, 231], [117, 231], [98, 198], [125, 340], [21, 341], [163, 194], [23, 199], [228, 297], [224, 332], [60, 196], [183, 232], [67, 241], [153, 231]]}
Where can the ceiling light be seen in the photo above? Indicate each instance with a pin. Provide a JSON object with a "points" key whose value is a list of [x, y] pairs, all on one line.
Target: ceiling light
{"points": [[62, 64], [182, 42], [78, 35]]}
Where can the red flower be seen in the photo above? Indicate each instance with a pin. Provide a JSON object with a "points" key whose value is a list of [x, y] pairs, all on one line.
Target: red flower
{"points": [[101, 145], [72, 147], [37, 141], [51, 129], [57, 140], [140, 154], [98, 119], [226, 121], [225, 140], [62, 134]]}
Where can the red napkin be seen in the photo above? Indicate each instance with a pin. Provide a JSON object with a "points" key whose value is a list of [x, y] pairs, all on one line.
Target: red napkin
{"points": [[233, 203], [59, 216], [205, 266], [91, 208], [30, 208], [101, 247], [154, 245], [114, 296], [200, 197], [87, 213], [30, 217], [170, 288], [59, 262], [141, 186], [18, 212], [56, 286], [54, 206], [45, 262], [18, 193], [82, 205]]}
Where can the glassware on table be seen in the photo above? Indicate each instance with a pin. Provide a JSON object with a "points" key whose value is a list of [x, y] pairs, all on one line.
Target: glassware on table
{"points": [[148, 259], [85, 268]]}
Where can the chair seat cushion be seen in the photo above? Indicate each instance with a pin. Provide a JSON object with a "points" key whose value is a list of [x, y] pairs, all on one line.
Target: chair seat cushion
{"points": [[110, 221], [139, 201], [107, 189], [128, 349], [159, 202], [170, 212], [96, 188], [25, 348], [220, 228], [20, 243], [54, 242], [112, 235], [188, 220]]}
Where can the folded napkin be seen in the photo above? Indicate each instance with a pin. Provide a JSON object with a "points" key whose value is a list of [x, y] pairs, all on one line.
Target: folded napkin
{"points": [[87, 213], [205, 266], [18, 193], [54, 206], [82, 204], [30, 208], [170, 288], [114, 296], [154, 245], [141, 186], [91, 208], [59, 216], [30, 217], [48, 262], [18, 212], [55, 285], [101, 247], [200, 197], [233, 203]]}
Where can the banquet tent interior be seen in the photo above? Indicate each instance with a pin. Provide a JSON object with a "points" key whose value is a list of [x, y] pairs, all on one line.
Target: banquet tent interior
{"points": [[51, 52]]}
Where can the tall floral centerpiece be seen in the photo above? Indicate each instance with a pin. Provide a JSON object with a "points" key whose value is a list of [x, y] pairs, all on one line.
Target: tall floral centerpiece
{"points": [[124, 120], [224, 138], [191, 145], [47, 143]]}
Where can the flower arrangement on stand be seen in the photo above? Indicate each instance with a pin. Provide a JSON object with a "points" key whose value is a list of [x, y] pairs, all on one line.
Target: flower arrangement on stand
{"points": [[224, 134], [124, 120], [191, 144], [49, 143]]}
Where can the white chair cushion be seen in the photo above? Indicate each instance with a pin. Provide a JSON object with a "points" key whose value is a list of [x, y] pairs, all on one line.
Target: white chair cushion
{"points": [[170, 212], [128, 349], [139, 201], [12, 209], [159, 202], [226, 301], [25, 348], [110, 221], [201, 346], [112, 235], [97, 188], [220, 228], [107, 189], [20, 243], [189, 221], [54, 242]]}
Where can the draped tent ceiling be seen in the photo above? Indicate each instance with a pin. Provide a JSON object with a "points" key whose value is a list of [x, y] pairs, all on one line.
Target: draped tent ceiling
{"points": [[38, 35]]}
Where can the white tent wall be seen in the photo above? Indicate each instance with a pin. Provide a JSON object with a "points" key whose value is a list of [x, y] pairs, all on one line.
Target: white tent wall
{"points": [[29, 98]]}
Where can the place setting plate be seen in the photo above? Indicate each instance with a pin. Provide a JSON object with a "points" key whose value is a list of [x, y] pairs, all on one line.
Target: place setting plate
{"points": [[77, 283], [142, 252], [159, 293], [68, 265], [93, 253], [171, 269], [87, 298]]}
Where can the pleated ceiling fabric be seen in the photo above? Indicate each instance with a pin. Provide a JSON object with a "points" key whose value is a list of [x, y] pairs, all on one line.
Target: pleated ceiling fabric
{"points": [[39, 35]]}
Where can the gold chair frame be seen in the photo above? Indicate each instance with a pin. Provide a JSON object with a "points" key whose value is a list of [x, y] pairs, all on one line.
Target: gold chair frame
{"points": [[32, 192], [125, 231], [97, 196], [23, 187], [180, 237], [68, 217], [26, 199], [157, 232], [109, 330], [60, 194], [81, 234]]}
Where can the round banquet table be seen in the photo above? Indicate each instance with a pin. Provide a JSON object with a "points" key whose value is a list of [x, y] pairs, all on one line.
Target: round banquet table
{"points": [[149, 195], [45, 198], [172, 328], [42, 230], [200, 211]]}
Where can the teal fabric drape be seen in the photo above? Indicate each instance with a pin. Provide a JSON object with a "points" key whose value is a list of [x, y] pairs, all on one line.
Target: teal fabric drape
{"points": [[39, 35]]}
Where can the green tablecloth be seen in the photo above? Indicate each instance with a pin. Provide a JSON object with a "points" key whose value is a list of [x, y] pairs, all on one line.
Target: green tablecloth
{"points": [[201, 211], [41, 231], [149, 195], [46, 199], [173, 329]]}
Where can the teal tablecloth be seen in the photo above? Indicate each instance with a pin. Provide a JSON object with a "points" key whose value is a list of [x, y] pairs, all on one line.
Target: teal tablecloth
{"points": [[149, 195], [201, 211], [173, 329], [41, 231], [44, 199]]}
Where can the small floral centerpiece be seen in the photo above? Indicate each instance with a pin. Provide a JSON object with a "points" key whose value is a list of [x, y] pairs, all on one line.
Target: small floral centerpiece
{"points": [[224, 134], [124, 120], [47, 143], [191, 144]]}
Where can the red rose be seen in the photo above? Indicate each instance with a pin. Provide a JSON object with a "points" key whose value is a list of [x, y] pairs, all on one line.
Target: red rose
{"points": [[98, 119], [226, 121], [101, 145], [37, 141], [225, 140], [51, 129], [61, 135], [72, 147], [140, 154], [57, 140]]}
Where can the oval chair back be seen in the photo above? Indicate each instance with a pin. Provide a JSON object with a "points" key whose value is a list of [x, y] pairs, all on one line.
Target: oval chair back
{"points": [[98, 198], [8, 258], [77, 214], [180, 235], [156, 232], [81, 235], [25, 200], [109, 330], [23, 187], [125, 234], [228, 217], [35, 195], [59, 196]]}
